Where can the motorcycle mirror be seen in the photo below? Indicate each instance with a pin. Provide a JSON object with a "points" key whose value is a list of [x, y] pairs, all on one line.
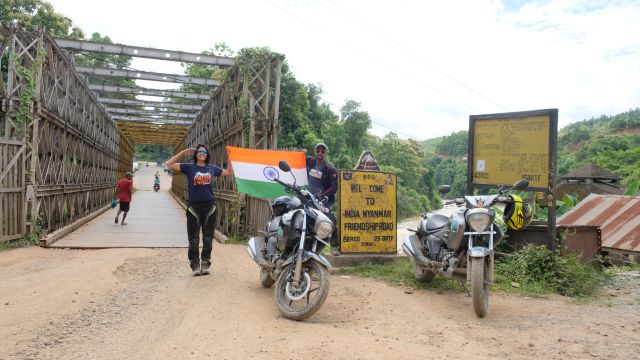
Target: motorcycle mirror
{"points": [[271, 173], [284, 166], [522, 184], [443, 189]]}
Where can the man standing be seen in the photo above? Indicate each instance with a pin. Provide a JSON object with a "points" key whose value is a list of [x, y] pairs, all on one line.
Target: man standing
{"points": [[323, 181], [125, 186]]}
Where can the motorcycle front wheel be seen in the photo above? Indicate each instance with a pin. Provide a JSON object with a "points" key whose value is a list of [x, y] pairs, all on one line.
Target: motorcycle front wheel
{"points": [[300, 302], [479, 286]]}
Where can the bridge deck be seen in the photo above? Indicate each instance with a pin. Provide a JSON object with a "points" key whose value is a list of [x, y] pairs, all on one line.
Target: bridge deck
{"points": [[155, 220]]}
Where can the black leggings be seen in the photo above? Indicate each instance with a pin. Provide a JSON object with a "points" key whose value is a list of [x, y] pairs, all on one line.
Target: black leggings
{"points": [[201, 215]]}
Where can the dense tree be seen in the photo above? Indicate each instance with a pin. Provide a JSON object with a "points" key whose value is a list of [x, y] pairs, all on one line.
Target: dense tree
{"points": [[158, 153], [296, 130], [206, 71], [609, 141], [33, 14], [456, 144], [320, 114], [356, 123]]}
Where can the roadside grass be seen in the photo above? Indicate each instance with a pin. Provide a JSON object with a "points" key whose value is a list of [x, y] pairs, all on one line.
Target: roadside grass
{"points": [[532, 272], [30, 239], [616, 269], [237, 240], [400, 273], [20, 243]]}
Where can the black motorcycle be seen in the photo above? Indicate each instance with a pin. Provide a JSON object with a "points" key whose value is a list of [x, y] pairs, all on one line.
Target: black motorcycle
{"points": [[289, 252]]}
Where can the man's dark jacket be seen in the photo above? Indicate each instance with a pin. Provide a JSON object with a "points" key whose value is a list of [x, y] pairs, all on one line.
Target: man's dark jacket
{"points": [[329, 178]]}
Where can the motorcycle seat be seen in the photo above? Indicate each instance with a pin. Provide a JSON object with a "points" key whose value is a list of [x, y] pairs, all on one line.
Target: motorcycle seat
{"points": [[436, 221]]}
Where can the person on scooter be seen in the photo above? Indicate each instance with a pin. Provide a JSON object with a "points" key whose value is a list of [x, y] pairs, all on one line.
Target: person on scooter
{"points": [[323, 182], [156, 183]]}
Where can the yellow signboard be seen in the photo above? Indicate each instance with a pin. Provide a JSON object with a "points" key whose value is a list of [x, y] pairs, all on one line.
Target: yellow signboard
{"points": [[506, 150], [367, 212]]}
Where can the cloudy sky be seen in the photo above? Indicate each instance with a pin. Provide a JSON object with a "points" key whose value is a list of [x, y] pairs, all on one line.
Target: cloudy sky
{"points": [[418, 67]]}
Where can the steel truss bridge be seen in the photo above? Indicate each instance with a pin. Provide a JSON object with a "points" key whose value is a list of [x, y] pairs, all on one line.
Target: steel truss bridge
{"points": [[65, 141]]}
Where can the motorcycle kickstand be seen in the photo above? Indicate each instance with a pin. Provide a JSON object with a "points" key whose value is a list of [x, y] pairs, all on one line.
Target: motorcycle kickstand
{"points": [[464, 287]]}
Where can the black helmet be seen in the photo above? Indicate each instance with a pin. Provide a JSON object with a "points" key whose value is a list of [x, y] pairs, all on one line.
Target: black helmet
{"points": [[284, 204]]}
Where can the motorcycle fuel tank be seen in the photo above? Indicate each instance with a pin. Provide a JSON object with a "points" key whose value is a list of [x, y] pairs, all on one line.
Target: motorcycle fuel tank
{"points": [[457, 225]]}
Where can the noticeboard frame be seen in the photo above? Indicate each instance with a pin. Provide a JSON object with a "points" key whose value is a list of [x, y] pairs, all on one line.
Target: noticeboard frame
{"points": [[339, 212], [550, 190]]}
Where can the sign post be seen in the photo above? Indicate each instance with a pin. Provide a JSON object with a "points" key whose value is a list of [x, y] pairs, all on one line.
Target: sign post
{"points": [[507, 147], [367, 212]]}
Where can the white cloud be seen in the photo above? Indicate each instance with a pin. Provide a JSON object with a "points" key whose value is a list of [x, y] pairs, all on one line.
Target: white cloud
{"points": [[418, 67]]}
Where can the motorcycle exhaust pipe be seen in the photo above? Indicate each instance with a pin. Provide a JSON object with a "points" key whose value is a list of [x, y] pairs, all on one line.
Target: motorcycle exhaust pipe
{"points": [[255, 247], [251, 248]]}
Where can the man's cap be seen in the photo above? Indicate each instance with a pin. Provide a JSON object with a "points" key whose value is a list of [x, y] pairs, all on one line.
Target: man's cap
{"points": [[128, 174], [321, 145]]}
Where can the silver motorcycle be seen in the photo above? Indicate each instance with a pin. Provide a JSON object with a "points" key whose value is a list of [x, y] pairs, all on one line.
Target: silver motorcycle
{"points": [[289, 252], [438, 245]]}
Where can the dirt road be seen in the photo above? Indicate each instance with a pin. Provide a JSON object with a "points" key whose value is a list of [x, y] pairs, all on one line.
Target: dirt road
{"points": [[144, 304]]}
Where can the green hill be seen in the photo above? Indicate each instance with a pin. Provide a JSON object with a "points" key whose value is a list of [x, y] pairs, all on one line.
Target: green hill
{"points": [[612, 142]]}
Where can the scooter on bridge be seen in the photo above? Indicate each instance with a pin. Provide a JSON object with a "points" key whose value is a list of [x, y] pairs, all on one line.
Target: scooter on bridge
{"points": [[156, 185], [290, 256], [438, 245]]}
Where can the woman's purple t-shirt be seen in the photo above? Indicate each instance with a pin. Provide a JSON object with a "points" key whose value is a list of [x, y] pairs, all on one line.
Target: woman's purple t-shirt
{"points": [[200, 180]]}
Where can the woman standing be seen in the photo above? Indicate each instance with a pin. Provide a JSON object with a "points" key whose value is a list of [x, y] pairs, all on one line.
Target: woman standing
{"points": [[201, 205]]}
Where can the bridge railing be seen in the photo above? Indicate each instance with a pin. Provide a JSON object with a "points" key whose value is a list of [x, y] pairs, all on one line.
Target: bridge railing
{"points": [[61, 152]]}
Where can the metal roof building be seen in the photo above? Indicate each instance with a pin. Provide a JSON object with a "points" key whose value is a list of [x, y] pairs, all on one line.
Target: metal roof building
{"points": [[617, 216], [590, 179]]}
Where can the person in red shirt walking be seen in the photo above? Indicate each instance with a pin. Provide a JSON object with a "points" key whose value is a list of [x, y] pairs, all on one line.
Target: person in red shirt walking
{"points": [[125, 186]]}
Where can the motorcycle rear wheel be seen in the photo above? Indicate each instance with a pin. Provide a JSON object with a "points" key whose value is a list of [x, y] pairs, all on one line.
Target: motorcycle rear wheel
{"points": [[422, 274], [314, 278], [265, 278], [479, 286]]}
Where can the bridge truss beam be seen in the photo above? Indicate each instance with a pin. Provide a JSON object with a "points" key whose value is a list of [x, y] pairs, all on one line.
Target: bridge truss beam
{"points": [[148, 92], [148, 120], [146, 133], [144, 52], [147, 103], [146, 75], [139, 112]]}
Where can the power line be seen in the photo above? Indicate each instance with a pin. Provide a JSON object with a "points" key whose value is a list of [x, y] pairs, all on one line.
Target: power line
{"points": [[392, 41], [350, 45]]}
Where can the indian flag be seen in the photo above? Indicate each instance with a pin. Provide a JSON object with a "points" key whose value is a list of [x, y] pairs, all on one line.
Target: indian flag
{"points": [[252, 169]]}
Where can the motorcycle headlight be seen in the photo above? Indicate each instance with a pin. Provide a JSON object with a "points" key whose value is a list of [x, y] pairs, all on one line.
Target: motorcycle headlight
{"points": [[479, 219], [323, 228]]}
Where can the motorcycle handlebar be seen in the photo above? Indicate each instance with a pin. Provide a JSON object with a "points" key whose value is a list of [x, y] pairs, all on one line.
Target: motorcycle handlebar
{"points": [[287, 186]]}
